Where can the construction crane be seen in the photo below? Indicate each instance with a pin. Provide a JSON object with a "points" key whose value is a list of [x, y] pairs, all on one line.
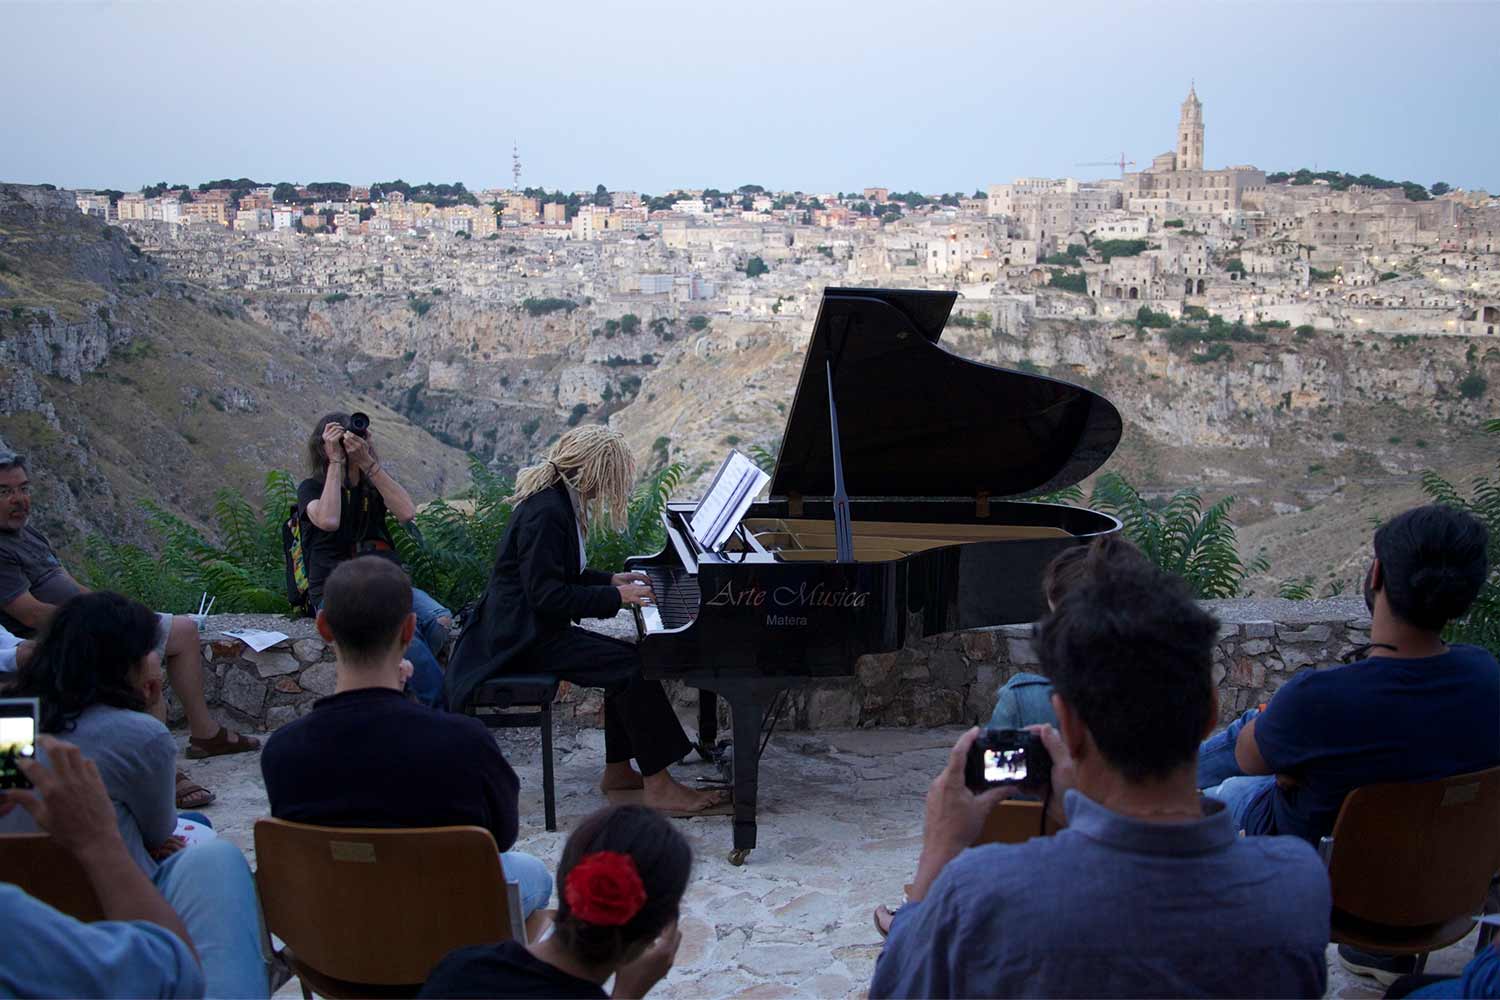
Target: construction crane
{"points": [[1122, 163]]}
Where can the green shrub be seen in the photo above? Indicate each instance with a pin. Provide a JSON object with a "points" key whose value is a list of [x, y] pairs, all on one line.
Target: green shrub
{"points": [[698, 323], [420, 306], [1215, 352], [1144, 317], [1110, 249], [336, 297], [1473, 385], [541, 307], [1482, 624], [1180, 536], [579, 409], [1173, 224], [1306, 332], [1068, 282]]}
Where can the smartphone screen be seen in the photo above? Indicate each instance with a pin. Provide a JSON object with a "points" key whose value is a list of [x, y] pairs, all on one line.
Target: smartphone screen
{"points": [[18, 721], [1004, 765]]}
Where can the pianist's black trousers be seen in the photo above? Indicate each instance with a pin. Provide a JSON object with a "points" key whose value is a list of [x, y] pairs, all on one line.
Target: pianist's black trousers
{"points": [[638, 717]]}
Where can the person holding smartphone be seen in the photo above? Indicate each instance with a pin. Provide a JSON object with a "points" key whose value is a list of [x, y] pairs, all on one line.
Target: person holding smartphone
{"points": [[343, 504]]}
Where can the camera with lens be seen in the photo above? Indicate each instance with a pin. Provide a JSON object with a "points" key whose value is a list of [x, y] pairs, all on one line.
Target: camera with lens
{"points": [[359, 423], [1008, 757]]}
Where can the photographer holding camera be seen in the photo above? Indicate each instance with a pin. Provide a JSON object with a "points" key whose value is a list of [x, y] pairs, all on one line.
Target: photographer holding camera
{"points": [[343, 506], [1149, 890]]}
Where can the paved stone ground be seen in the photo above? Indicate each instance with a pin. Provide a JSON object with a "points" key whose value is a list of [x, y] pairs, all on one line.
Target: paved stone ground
{"points": [[840, 823]]}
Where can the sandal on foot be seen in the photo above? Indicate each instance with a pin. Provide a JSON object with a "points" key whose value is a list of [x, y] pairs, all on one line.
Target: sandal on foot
{"points": [[190, 794], [225, 741], [884, 917]]}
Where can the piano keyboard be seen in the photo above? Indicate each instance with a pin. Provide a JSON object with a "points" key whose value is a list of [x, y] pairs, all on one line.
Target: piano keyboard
{"points": [[677, 598]]}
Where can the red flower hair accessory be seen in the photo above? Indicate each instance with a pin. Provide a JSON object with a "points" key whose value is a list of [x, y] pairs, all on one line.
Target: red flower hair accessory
{"points": [[605, 889]]}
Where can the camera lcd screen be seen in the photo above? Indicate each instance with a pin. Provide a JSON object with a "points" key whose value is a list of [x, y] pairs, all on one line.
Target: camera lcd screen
{"points": [[18, 717], [1004, 765]]}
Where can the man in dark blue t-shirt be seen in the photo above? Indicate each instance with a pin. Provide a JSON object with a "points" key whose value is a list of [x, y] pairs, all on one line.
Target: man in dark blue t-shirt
{"points": [[1416, 710]]}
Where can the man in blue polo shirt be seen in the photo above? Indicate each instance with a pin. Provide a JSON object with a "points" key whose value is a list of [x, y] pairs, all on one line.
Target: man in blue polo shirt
{"points": [[1149, 891], [1415, 709]]}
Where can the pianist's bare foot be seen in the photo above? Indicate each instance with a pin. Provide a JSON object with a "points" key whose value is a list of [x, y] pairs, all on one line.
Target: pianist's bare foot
{"points": [[620, 777], [665, 793]]}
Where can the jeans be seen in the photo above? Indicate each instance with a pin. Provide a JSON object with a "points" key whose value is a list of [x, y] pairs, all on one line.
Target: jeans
{"points": [[1248, 797], [426, 677], [531, 875], [211, 889]]}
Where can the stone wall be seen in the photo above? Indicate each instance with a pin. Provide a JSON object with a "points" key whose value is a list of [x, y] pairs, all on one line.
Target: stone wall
{"points": [[938, 681]]}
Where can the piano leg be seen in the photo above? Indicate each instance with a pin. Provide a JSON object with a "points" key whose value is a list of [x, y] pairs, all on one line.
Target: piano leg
{"points": [[708, 723], [748, 712]]}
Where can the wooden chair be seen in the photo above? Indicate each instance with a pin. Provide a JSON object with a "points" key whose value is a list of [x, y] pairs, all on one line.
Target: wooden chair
{"points": [[47, 872], [369, 912], [1409, 864], [1015, 822]]}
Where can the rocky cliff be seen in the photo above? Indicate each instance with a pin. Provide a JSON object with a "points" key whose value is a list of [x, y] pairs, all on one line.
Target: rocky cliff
{"points": [[120, 385]]}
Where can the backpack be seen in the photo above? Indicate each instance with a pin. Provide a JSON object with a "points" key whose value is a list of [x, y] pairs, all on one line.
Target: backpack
{"points": [[296, 564]]}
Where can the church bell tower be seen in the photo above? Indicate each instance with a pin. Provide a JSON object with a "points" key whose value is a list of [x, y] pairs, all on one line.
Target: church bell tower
{"points": [[1190, 133]]}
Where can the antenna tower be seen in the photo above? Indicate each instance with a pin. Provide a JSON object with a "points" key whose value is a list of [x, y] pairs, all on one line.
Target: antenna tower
{"points": [[515, 165]]}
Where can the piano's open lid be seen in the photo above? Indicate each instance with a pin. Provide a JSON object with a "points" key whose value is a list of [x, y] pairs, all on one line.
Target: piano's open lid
{"points": [[918, 421]]}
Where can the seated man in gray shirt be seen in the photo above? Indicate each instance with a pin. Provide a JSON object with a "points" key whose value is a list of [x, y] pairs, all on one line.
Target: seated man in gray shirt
{"points": [[1149, 891]]}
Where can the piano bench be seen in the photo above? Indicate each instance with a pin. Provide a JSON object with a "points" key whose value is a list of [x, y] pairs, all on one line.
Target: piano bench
{"points": [[495, 697]]}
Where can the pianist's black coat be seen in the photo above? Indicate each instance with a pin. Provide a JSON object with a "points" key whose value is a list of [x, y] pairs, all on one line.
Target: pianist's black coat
{"points": [[535, 589]]}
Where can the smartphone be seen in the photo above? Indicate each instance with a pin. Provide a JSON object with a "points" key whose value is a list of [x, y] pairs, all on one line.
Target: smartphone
{"points": [[1007, 757], [18, 725]]}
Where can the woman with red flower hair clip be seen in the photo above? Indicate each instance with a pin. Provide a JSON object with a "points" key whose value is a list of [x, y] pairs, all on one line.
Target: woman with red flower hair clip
{"points": [[621, 880]]}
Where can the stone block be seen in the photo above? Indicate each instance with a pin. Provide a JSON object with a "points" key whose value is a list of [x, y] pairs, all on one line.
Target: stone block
{"points": [[914, 669], [949, 669], [832, 708], [1228, 630], [273, 662], [1022, 651], [227, 649], [1255, 647], [309, 650], [174, 710], [1296, 659], [1260, 630], [978, 645], [1311, 633], [208, 652], [280, 715], [1220, 671], [1242, 673], [319, 679], [1015, 631], [286, 685], [244, 693], [875, 670], [1274, 663]]}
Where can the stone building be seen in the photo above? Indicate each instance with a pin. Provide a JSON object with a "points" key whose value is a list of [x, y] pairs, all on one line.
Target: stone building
{"points": [[1177, 184]]}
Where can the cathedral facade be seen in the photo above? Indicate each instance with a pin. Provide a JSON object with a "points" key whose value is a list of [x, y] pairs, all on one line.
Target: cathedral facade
{"points": [[1177, 186]]}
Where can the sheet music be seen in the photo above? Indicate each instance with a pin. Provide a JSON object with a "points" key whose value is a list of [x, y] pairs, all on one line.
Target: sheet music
{"points": [[734, 488]]}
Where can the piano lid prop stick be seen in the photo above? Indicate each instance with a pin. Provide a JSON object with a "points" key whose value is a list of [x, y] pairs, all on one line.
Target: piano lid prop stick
{"points": [[842, 533]]}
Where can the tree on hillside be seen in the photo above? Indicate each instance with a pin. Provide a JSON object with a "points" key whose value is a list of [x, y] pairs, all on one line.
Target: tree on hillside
{"points": [[601, 196], [755, 267], [285, 192], [1439, 189]]}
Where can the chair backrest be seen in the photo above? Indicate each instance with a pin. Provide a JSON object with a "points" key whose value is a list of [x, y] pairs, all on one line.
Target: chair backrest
{"points": [[47, 872], [1418, 853], [1014, 822], [380, 906]]}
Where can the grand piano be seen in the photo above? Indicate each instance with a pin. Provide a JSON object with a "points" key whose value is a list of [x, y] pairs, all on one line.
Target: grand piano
{"points": [[889, 518]]}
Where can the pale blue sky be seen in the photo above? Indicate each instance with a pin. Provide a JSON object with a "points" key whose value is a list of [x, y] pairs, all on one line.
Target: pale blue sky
{"points": [[934, 95]]}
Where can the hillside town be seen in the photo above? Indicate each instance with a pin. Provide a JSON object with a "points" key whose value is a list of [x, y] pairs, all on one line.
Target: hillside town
{"points": [[1177, 239]]}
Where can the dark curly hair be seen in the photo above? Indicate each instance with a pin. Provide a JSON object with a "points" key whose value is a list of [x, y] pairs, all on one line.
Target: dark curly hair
{"points": [[87, 655], [664, 860], [1131, 652], [1433, 563]]}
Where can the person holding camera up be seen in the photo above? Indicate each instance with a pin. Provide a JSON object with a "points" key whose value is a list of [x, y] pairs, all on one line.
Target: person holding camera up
{"points": [[1149, 891], [343, 507]]}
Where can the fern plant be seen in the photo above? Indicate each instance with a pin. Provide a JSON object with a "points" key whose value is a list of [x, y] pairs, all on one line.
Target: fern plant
{"points": [[244, 570], [450, 545], [1181, 537], [643, 534], [1481, 625]]}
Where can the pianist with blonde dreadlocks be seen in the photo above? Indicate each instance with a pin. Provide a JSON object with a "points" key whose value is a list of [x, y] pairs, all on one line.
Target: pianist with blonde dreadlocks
{"points": [[541, 586]]}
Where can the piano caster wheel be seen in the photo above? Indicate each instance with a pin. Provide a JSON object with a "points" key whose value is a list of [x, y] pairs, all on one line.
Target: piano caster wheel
{"points": [[738, 855]]}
